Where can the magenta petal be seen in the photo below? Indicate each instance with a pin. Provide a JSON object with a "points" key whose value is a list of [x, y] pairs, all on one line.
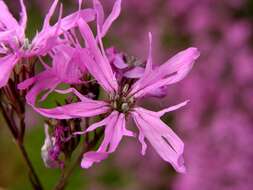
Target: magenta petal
{"points": [[136, 72], [119, 62], [149, 60], [23, 15], [75, 110], [62, 71], [92, 157], [115, 129], [7, 63], [172, 108], [170, 72], [6, 17], [100, 12], [95, 70], [159, 92], [112, 17], [70, 21], [50, 13], [42, 81], [143, 143], [27, 83], [48, 36], [181, 63], [166, 143], [100, 68], [67, 65], [97, 125], [114, 132], [6, 36], [103, 26]]}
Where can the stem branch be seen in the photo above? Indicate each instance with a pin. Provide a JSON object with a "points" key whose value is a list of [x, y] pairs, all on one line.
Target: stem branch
{"points": [[87, 146]]}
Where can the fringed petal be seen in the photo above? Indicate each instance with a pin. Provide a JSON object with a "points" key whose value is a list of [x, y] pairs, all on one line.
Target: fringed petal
{"points": [[166, 143]]}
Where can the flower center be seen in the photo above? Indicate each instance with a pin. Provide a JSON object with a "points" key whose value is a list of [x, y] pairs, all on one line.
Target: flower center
{"points": [[121, 102]]}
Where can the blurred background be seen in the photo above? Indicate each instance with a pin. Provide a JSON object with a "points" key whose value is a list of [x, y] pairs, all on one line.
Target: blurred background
{"points": [[217, 125]]}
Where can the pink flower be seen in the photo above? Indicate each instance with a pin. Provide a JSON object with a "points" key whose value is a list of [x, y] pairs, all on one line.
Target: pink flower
{"points": [[14, 45], [123, 96], [162, 138]]}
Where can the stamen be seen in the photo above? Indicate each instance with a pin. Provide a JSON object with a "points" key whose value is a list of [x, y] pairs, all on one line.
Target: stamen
{"points": [[125, 88], [125, 107], [26, 43]]}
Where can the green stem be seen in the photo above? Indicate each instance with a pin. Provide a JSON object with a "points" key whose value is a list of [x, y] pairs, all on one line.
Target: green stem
{"points": [[62, 183], [19, 141], [32, 174]]}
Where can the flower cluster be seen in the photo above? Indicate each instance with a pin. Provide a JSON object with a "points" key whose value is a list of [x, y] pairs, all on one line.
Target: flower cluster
{"points": [[102, 83]]}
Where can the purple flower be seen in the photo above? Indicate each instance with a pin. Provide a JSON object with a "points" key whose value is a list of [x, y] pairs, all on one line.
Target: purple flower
{"points": [[121, 104], [14, 45], [163, 139]]}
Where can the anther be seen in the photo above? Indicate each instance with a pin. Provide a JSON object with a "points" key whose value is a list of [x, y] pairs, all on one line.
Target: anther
{"points": [[124, 107], [26, 43], [125, 88]]}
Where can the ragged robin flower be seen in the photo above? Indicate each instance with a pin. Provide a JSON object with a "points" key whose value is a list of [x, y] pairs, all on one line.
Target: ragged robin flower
{"points": [[123, 95]]}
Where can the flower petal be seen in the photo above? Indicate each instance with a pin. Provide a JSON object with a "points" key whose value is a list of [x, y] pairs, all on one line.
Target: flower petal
{"points": [[7, 63], [143, 143], [149, 60], [172, 108], [100, 12], [170, 72], [112, 17], [114, 131], [135, 73], [62, 71], [23, 15], [6, 17], [166, 143], [92, 157], [48, 36], [70, 21], [119, 62], [100, 68], [50, 13], [63, 66], [75, 110], [41, 82]]}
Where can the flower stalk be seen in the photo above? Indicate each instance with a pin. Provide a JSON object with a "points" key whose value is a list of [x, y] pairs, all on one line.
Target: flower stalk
{"points": [[18, 136], [86, 146]]}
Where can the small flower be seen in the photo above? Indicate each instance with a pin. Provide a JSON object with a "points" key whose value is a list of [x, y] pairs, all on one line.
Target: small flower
{"points": [[60, 143], [51, 150]]}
